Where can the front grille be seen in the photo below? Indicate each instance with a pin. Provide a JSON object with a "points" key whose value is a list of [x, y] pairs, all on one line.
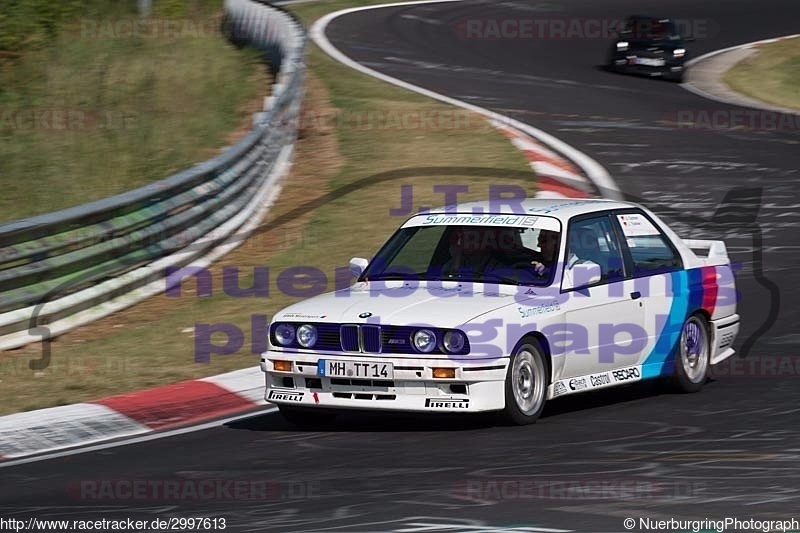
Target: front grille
{"points": [[371, 339], [328, 336], [349, 336], [361, 338], [653, 54], [397, 339]]}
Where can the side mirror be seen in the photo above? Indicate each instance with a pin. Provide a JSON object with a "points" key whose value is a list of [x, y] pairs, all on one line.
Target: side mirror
{"points": [[357, 266], [581, 275]]}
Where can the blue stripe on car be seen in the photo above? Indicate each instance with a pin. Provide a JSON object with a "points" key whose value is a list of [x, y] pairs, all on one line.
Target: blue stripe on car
{"points": [[687, 296]]}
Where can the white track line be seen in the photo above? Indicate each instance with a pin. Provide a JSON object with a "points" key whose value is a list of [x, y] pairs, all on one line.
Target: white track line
{"points": [[594, 171], [745, 45], [136, 440], [699, 92]]}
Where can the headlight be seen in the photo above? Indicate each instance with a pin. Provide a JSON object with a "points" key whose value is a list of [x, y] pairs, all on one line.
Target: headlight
{"points": [[453, 341], [284, 334], [679, 52], [307, 335], [425, 340], [622, 45]]}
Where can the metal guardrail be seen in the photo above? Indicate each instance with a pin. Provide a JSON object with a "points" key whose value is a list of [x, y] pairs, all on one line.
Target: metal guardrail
{"points": [[67, 268]]}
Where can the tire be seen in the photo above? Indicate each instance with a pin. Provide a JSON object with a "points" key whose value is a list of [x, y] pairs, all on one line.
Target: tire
{"points": [[306, 418], [526, 383], [693, 355], [676, 78]]}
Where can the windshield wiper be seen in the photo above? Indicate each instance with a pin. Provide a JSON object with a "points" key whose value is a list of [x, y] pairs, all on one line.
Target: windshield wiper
{"points": [[396, 277], [477, 277], [504, 279]]}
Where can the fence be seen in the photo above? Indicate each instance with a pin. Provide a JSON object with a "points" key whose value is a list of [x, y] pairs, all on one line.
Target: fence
{"points": [[64, 269]]}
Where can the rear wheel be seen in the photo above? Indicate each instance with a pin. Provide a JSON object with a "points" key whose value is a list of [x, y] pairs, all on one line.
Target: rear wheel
{"points": [[526, 383], [693, 355]]}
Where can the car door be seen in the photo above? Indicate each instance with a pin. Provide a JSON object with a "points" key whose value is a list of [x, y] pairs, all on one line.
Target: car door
{"points": [[607, 312], [656, 268]]}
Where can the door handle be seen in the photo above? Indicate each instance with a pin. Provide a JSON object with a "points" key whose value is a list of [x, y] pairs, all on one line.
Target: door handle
{"points": [[635, 295]]}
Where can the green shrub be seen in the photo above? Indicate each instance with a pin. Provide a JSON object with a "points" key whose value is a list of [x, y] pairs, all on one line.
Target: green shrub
{"points": [[31, 24]]}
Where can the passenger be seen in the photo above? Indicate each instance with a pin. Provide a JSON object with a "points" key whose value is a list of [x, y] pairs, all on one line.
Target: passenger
{"points": [[468, 253]]}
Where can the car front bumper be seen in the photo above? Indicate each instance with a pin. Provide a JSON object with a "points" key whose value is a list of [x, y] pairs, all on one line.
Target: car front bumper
{"points": [[669, 68], [478, 385]]}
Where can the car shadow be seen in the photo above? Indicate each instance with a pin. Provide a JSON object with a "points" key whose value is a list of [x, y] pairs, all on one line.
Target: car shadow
{"points": [[631, 75], [373, 421]]}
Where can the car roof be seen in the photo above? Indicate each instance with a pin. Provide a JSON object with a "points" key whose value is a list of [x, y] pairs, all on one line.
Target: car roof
{"points": [[560, 208]]}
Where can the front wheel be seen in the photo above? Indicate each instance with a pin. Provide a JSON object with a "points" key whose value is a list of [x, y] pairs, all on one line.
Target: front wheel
{"points": [[611, 65], [677, 77], [693, 355], [526, 383]]}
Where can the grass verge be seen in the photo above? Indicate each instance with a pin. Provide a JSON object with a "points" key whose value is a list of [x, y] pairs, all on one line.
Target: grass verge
{"points": [[771, 75], [331, 208], [97, 112]]}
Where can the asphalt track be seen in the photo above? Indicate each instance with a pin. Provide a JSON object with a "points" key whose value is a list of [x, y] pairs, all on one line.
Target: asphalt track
{"points": [[730, 451]]}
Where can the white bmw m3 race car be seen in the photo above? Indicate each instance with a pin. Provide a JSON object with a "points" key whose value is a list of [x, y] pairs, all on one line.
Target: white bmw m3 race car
{"points": [[476, 307]]}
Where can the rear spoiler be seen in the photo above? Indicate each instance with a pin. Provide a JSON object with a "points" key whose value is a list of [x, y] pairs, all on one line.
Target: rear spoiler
{"points": [[709, 252]]}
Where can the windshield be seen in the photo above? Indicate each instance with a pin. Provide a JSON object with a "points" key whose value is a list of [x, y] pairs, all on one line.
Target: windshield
{"points": [[491, 254]]}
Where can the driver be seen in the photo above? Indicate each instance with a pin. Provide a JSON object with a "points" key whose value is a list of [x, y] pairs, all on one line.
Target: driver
{"points": [[548, 244]]}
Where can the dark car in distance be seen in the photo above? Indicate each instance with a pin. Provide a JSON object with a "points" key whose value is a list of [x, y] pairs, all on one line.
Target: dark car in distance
{"points": [[650, 46]]}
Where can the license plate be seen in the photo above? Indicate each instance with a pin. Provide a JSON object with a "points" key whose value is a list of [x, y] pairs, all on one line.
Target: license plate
{"points": [[650, 62], [354, 369]]}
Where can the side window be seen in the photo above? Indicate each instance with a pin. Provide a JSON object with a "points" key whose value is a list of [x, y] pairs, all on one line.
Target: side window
{"points": [[592, 241], [649, 247]]}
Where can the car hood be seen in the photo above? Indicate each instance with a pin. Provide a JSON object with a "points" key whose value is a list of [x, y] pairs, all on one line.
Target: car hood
{"points": [[443, 304]]}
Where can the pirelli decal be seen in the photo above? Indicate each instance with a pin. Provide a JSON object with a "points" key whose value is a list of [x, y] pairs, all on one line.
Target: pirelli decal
{"points": [[285, 395], [447, 403]]}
